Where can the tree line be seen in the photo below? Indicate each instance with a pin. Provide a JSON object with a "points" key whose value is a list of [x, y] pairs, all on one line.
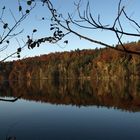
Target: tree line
{"points": [[79, 64]]}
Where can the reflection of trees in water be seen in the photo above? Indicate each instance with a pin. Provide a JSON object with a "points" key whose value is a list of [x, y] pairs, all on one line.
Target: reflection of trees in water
{"points": [[118, 94]]}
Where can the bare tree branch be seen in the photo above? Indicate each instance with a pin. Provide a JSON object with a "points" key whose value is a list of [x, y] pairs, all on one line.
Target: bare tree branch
{"points": [[10, 100], [10, 32], [88, 18]]}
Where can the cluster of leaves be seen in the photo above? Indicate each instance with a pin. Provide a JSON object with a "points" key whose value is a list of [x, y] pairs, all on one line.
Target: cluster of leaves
{"points": [[29, 3], [18, 52], [57, 36]]}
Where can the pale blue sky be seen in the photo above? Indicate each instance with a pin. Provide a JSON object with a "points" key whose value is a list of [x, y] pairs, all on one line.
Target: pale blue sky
{"points": [[106, 8]]}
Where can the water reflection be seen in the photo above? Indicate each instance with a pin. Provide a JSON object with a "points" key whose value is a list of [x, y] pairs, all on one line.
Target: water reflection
{"points": [[121, 94], [45, 110]]}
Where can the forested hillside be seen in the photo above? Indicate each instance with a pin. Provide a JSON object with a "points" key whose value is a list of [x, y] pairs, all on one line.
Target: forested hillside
{"points": [[84, 64]]}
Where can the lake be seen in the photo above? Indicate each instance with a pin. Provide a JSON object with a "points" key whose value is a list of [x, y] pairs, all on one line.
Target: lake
{"points": [[70, 110]]}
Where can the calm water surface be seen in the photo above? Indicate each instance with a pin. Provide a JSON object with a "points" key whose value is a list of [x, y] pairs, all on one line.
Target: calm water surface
{"points": [[70, 111]]}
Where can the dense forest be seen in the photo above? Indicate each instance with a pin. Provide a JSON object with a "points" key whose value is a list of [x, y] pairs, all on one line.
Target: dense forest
{"points": [[103, 63]]}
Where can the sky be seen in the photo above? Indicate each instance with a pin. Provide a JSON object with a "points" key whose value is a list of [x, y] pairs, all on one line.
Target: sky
{"points": [[107, 9]]}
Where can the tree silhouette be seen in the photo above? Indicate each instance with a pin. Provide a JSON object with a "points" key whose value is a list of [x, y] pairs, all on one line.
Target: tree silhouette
{"points": [[87, 21], [8, 31], [12, 30], [62, 25]]}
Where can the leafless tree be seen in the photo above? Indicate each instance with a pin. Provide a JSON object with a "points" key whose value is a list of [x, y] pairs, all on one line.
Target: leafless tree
{"points": [[62, 26], [87, 21], [11, 30]]}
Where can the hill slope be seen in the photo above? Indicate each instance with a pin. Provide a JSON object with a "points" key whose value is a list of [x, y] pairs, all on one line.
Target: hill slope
{"points": [[99, 63]]}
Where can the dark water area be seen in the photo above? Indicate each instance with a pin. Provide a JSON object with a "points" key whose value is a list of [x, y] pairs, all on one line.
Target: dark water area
{"points": [[70, 110]]}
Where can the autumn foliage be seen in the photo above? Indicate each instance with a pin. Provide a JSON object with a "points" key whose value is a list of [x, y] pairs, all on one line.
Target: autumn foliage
{"points": [[79, 64]]}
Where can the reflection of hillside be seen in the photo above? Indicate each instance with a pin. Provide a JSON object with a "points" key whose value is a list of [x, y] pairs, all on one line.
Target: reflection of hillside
{"points": [[115, 94]]}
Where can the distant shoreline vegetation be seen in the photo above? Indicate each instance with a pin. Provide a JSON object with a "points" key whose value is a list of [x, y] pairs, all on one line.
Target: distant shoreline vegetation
{"points": [[102, 63]]}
